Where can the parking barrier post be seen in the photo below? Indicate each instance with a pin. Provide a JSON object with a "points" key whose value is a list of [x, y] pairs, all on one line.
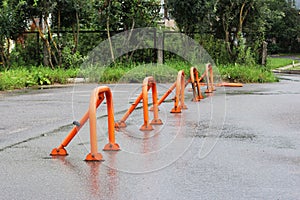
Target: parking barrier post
{"points": [[149, 83], [179, 97], [209, 78], [195, 81], [96, 99]]}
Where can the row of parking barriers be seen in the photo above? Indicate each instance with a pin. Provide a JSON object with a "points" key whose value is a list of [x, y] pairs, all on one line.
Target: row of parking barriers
{"points": [[102, 92]]}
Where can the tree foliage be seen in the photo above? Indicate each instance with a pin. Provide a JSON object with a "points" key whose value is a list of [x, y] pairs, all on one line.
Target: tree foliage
{"points": [[283, 27], [233, 30], [12, 24], [241, 24]]}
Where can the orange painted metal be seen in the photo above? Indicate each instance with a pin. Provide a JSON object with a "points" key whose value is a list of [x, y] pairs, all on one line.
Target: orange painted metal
{"points": [[147, 126], [195, 81], [122, 123], [96, 99], [156, 120], [149, 83], [209, 78], [96, 96], [167, 94], [169, 91], [60, 150], [225, 84], [179, 97]]}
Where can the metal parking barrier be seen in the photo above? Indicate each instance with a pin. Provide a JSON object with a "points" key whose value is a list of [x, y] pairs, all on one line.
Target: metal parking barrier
{"points": [[195, 81], [103, 92], [148, 83], [97, 96], [179, 97]]}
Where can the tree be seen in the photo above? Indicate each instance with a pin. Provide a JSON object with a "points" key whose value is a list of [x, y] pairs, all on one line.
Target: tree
{"points": [[233, 21], [191, 15], [41, 10], [283, 27], [71, 15], [116, 16], [12, 25]]}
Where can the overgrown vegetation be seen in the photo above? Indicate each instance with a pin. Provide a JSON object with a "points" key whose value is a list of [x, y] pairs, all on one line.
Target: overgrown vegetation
{"points": [[246, 74], [22, 77], [64, 32], [274, 63], [134, 73]]}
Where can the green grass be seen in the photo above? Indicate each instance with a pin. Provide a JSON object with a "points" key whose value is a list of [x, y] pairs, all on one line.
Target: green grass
{"points": [[134, 72], [296, 68], [290, 54], [273, 63], [22, 77], [246, 74]]}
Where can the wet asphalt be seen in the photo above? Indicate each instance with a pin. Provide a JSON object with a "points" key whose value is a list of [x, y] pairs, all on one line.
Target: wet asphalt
{"points": [[239, 143]]}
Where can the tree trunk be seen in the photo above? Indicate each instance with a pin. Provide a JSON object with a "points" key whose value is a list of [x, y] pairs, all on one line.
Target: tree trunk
{"points": [[51, 40], [243, 15], [58, 37], [47, 47], [225, 28], [3, 56], [109, 40], [77, 34], [8, 52]]}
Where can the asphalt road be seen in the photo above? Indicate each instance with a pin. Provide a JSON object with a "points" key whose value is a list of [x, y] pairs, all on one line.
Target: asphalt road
{"points": [[240, 143]]}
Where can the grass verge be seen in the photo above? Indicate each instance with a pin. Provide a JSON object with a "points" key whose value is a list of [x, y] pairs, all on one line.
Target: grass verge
{"points": [[243, 74], [22, 77], [274, 63]]}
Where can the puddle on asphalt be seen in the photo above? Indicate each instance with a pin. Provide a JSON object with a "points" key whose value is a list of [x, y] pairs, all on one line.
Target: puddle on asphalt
{"points": [[226, 132], [230, 136]]}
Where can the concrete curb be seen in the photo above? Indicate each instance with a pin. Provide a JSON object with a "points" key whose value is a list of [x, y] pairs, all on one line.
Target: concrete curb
{"points": [[287, 69]]}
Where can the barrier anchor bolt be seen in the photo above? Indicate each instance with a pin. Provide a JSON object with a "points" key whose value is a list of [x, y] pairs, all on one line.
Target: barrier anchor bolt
{"points": [[176, 110], [94, 158], [59, 152], [156, 122], [120, 124], [146, 128], [111, 147]]}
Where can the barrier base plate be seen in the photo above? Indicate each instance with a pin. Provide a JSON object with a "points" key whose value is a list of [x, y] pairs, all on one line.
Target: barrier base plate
{"points": [[146, 128], [120, 124], [156, 122], [59, 152], [111, 147], [94, 158], [176, 110]]}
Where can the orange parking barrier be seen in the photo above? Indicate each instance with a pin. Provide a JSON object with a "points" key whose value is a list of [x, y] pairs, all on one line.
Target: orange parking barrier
{"points": [[179, 97], [96, 99], [147, 84], [166, 94], [147, 126], [209, 78], [195, 81], [225, 84], [180, 85], [122, 123]]}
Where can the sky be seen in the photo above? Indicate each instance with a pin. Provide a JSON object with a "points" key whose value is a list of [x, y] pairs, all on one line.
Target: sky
{"points": [[298, 4]]}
